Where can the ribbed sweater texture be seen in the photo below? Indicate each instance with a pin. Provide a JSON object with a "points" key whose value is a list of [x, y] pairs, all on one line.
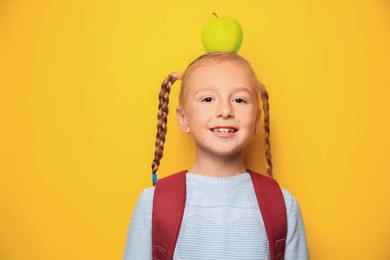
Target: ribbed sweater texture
{"points": [[221, 220]]}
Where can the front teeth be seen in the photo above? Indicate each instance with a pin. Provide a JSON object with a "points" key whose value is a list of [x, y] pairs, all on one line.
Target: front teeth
{"points": [[223, 130]]}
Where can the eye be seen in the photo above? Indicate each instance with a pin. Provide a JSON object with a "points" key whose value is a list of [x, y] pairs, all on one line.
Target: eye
{"points": [[239, 100], [207, 99]]}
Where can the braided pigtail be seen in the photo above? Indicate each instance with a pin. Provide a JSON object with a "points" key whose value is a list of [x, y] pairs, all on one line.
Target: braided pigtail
{"points": [[162, 117], [268, 157]]}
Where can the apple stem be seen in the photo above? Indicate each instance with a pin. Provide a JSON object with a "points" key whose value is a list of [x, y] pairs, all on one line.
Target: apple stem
{"points": [[215, 15]]}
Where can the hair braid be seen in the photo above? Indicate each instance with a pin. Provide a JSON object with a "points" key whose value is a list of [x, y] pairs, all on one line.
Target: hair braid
{"points": [[162, 117], [268, 157]]}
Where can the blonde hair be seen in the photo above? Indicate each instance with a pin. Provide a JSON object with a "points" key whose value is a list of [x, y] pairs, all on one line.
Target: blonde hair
{"points": [[208, 58]]}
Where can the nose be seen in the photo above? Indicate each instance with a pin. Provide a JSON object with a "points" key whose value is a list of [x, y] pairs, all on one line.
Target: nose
{"points": [[225, 109]]}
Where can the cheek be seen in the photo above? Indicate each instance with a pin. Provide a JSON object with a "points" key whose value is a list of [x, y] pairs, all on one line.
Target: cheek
{"points": [[198, 118], [248, 116], [198, 115]]}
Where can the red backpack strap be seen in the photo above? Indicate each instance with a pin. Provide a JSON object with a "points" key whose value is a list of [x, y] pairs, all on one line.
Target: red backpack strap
{"points": [[273, 210], [168, 209]]}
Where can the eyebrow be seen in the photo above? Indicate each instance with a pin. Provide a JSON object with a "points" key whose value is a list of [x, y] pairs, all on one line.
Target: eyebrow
{"points": [[236, 90]]}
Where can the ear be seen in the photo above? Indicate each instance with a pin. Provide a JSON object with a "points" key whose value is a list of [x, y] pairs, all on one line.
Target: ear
{"points": [[257, 121], [182, 119]]}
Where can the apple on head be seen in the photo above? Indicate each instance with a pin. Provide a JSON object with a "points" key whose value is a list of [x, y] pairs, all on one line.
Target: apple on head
{"points": [[222, 34]]}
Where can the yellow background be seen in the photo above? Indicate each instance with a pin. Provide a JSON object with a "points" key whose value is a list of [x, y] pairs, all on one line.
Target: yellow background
{"points": [[78, 98]]}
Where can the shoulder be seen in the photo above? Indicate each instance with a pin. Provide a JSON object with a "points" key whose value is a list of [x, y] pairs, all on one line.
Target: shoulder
{"points": [[296, 245], [290, 201], [143, 208], [146, 196], [294, 216], [288, 197], [139, 236], [292, 205]]}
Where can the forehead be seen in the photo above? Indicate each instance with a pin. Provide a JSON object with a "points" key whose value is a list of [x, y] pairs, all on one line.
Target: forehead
{"points": [[224, 75]]}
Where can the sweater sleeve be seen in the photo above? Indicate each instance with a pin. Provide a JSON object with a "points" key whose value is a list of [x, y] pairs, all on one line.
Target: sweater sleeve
{"points": [[139, 235], [296, 245]]}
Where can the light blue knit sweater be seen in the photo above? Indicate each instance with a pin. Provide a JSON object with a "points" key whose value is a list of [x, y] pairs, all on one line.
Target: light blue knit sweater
{"points": [[221, 220]]}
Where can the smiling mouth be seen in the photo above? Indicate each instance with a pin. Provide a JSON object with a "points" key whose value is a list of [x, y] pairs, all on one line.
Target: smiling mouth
{"points": [[224, 130]]}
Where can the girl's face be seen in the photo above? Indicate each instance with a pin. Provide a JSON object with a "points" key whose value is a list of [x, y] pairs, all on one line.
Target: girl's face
{"points": [[220, 108]]}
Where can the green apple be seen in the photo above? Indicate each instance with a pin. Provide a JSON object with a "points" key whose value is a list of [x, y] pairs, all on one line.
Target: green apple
{"points": [[222, 34]]}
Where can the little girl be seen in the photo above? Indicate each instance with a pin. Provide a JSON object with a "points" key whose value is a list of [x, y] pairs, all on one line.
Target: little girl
{"points": [[219, 106]]}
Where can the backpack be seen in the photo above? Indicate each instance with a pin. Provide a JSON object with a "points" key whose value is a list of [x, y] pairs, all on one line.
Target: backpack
{"points": [[168, 208]]}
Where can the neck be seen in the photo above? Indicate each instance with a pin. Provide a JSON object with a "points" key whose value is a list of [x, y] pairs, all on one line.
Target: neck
{"points": [[218, 166]]}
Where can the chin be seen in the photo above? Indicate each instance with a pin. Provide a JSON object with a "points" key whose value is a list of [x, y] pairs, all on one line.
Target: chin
{"points": [[227, 153]]}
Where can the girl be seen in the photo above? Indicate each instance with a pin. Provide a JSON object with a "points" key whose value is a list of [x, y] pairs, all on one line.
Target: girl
{"points": [[219, 106]]}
